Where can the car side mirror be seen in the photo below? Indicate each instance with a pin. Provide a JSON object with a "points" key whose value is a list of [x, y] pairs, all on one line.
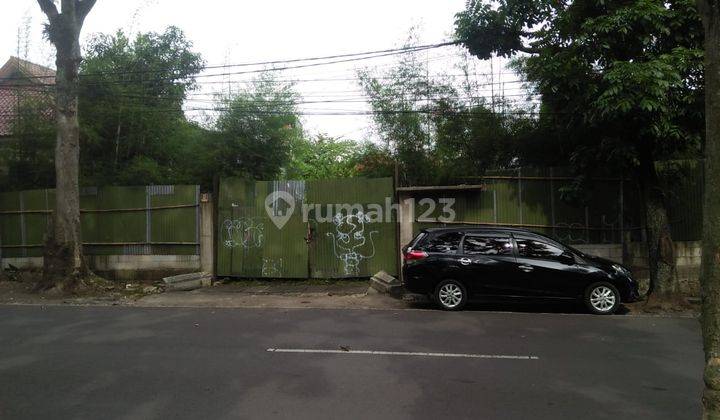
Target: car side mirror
{"points": [[567, 258]]}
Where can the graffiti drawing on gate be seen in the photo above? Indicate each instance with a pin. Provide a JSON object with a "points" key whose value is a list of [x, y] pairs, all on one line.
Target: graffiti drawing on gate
{"points": [[351, 240], [243, 232], [272, 267]]}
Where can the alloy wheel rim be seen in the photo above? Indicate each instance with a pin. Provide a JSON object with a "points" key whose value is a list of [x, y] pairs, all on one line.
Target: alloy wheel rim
{"points": [[450, 295], [602, 298]]}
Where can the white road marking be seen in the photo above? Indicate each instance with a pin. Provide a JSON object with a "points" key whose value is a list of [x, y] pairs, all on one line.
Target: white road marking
{"points": [[406, 353]]}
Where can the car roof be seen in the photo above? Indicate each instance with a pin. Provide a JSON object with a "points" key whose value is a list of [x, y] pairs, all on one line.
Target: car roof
{"points": [[478, 228], [488, 229]]}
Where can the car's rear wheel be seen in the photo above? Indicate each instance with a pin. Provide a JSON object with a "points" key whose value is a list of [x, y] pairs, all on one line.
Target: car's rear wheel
{"points": [[602, 298], [451, 295]]}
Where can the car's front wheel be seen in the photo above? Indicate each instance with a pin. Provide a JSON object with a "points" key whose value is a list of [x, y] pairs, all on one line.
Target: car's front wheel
{"points": [[451, 295], [602, 298]]}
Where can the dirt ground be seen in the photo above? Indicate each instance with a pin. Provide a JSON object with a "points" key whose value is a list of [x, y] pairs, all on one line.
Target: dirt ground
{"points": [[331, 294], [253, 294]]}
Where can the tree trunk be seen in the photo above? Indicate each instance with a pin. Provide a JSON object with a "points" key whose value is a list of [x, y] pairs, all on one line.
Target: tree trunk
{"points": [[710, 266], [64, 262], [661, 252]]}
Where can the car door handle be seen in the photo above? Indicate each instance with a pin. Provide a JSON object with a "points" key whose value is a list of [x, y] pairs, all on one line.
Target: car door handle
{"points": [[525, 268], [465, 261]]}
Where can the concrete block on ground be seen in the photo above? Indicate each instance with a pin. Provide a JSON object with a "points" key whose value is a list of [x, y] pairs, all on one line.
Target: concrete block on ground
{"points": [[187, 282], [385, 283], [696, 249]]}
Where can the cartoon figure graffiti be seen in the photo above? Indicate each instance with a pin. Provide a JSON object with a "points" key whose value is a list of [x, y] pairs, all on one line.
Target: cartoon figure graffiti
{"points": [[244, 232], [351, 239]]}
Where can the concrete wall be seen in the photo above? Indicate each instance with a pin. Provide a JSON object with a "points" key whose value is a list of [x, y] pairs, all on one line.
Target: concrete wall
{"points": [[145, 267], [125, 267], [687, 259]]}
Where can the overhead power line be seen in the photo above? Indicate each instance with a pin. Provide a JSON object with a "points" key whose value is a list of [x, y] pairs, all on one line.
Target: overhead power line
{"points": [[355, 57], [46, 88], [354, 112]]}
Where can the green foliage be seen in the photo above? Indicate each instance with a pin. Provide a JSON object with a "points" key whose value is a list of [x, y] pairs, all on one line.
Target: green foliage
{"points": [[621, 81], [131, 117], [29, 154], [439, 132], [323, 157], [257, 129], [374, 161]]}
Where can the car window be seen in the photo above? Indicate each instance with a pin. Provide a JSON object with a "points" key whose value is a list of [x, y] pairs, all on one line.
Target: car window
{"points": [[532, 248], [445, 242], [487, 245], [418, 239]]}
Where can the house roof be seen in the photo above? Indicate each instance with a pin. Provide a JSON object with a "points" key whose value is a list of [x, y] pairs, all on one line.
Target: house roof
{"points": [[21, 80], [19, 70]]}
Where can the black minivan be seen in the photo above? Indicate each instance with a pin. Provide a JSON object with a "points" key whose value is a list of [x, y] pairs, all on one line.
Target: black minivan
{"points": [[454, 265]]}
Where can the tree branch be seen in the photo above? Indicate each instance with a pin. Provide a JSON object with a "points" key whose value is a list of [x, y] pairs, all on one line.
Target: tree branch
{"points": [[82, 8], [48, 7], [529, 50]]}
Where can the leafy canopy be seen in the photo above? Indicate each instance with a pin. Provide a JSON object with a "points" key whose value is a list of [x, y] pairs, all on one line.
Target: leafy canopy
{"points": [[131, 99], [437, 130], [620, 80], [323, 157], [257, 128]]}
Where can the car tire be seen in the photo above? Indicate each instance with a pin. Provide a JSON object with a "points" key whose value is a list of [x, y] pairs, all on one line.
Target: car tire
{"points": [[450, 295], [602, 298]]}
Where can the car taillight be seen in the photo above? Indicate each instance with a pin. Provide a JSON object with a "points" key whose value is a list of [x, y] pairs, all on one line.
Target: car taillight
{"points": [[415, 255]]}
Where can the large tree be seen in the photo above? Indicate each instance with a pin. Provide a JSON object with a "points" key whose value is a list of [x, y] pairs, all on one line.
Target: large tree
{"points": [[710, 274], [132, 91], [64, 260], [621, 85]]}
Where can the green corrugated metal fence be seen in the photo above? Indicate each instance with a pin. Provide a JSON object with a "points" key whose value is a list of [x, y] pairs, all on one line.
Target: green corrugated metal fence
{"points": [[319, 239], [152, 220], [531, 198]]}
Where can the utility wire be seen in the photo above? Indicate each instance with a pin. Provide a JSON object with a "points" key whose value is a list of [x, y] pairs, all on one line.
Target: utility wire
{"points": [[50, 88], [356, 57]]}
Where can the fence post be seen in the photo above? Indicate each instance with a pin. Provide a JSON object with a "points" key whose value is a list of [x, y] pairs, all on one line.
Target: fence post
{"points": [[621, 220], [520, 203], [206, 233], [148, 220], [552, 201], [495, 216], [197, 218], [23, 233]]}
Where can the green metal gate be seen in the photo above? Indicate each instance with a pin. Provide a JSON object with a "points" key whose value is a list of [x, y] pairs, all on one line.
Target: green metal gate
{"points": [[298, 229]]}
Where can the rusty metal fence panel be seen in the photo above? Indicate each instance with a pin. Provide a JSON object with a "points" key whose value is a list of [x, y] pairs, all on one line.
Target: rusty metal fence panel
{"points": [[299, 229], [153, 220]]}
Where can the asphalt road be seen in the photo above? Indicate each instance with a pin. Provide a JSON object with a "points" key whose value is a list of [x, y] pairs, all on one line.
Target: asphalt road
{"points": [[119, 362]]}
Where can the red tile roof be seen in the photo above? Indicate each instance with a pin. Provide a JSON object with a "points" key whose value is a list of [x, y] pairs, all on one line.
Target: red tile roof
{"points": [[19, 70], [21, 80]]}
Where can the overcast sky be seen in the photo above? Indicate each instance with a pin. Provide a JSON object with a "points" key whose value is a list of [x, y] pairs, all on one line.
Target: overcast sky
{"points": [[230, 31]]}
